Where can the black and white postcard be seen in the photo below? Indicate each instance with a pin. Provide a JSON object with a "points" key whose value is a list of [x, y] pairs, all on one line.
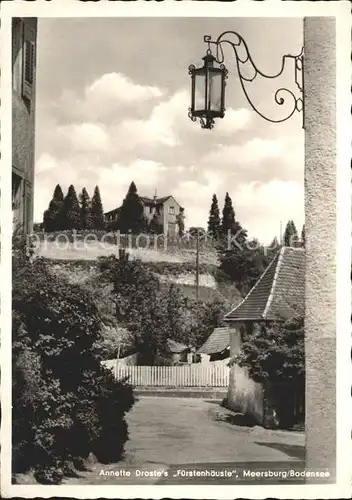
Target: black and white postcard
{"points": [[175, 249]]}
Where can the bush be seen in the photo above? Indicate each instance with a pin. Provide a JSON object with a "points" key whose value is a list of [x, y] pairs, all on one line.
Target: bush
{"points": [[65, 404], [274, 353]]}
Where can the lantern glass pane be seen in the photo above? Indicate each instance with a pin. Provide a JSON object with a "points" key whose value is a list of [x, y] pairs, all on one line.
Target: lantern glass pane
{"points": [[200, 92], [215, 90]]}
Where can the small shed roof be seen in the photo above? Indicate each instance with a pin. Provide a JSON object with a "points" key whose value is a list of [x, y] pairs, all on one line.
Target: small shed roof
{"points": [[217, 342], [279, 293]]}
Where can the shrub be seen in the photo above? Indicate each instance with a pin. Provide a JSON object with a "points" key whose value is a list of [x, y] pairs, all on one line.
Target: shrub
{"points": [[65, 404], [274, 353]]}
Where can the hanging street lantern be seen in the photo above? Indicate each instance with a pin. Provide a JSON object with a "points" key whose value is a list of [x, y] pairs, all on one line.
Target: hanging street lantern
{"points": [[208, 82], [207, 91]]}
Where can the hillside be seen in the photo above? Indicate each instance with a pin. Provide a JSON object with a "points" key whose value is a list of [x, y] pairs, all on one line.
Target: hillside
{"points": [[91, 250]]}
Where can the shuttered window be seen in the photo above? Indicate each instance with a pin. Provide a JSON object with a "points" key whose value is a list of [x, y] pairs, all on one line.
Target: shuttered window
{"points": [[28, 62]]}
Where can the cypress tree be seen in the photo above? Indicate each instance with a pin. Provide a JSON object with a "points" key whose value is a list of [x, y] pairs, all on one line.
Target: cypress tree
{"points": [[214, 223], [290, 238], [97, 210], [86, 210], [303, 236], [132, 214], [229, 225], [53, 218], [72, 210]]}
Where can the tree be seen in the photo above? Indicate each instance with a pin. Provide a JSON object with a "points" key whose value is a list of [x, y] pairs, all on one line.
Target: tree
{"points": [[214, 223], [244, 266], [155, 225], [97, 210], [290, 238], [85, 210], [53, 219], [180, 219], [72, 216], [194, 230], [274, 353], [132, 213], [230, 227], [140, 307], [228, 216], [65, 404], [174, 308], [203, 318], [303, 236], [274, 356]]}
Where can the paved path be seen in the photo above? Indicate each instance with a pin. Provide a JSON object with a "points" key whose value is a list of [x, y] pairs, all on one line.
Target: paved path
{"points": [[170, 434]]}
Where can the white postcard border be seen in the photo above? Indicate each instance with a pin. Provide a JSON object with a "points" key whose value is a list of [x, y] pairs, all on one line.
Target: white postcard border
{"points": [[242, 8]]}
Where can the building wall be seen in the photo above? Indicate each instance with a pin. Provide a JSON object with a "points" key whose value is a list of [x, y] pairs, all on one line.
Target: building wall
{"points": [[320, 214], [170, 219], [244, 395], [23, 125]]}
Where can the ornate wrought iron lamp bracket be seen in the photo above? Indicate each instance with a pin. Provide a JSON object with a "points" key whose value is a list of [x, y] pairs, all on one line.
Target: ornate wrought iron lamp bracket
{"points": [[281, 94]]}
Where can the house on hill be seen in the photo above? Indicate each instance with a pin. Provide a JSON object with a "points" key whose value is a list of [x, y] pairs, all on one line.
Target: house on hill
{"points": [[166, 210], [278, 295]]}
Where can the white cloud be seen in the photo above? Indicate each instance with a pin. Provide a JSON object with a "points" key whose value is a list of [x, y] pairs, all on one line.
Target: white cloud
{"points": [[252, 152], [234, 120], [86, 137], [105, 99], [116, 87], [45, 163], [196, 197], [264, 205], [117, 178], [165, 125]]}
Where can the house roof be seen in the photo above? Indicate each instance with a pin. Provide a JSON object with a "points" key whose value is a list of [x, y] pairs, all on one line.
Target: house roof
{"points": [[147, 201], [217, 342], [279, 293], [115, 211], [151, 201], [176, 347]]}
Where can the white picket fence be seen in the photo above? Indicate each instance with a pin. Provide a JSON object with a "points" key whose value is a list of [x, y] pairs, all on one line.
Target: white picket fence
{"points": [[197, 375]]}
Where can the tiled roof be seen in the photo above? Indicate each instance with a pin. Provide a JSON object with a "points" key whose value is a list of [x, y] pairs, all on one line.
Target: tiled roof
{"points": [[217, 342], [116, 210], [146, 200], [151, 201], [279, 293]]}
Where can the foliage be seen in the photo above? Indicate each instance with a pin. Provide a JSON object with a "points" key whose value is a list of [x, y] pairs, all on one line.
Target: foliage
{"points": [[140, 307], [72, 216], [202, 318], [154, 314], [303, 236], [290, 238], [244, 266], [131, 217], [97, 210], [229, 224], [65, 404], [194, 230], [180, 219], [53, 216], [155, 225], [214, 223], [85, 210], [274, 353]]}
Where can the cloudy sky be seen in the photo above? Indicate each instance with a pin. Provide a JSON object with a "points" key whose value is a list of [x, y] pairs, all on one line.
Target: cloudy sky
{"points": [[112, 102]]}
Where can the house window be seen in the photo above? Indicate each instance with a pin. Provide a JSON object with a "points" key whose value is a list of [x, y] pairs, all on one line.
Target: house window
{"points": [[17, 200], [171, 210], [28, 62]]}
